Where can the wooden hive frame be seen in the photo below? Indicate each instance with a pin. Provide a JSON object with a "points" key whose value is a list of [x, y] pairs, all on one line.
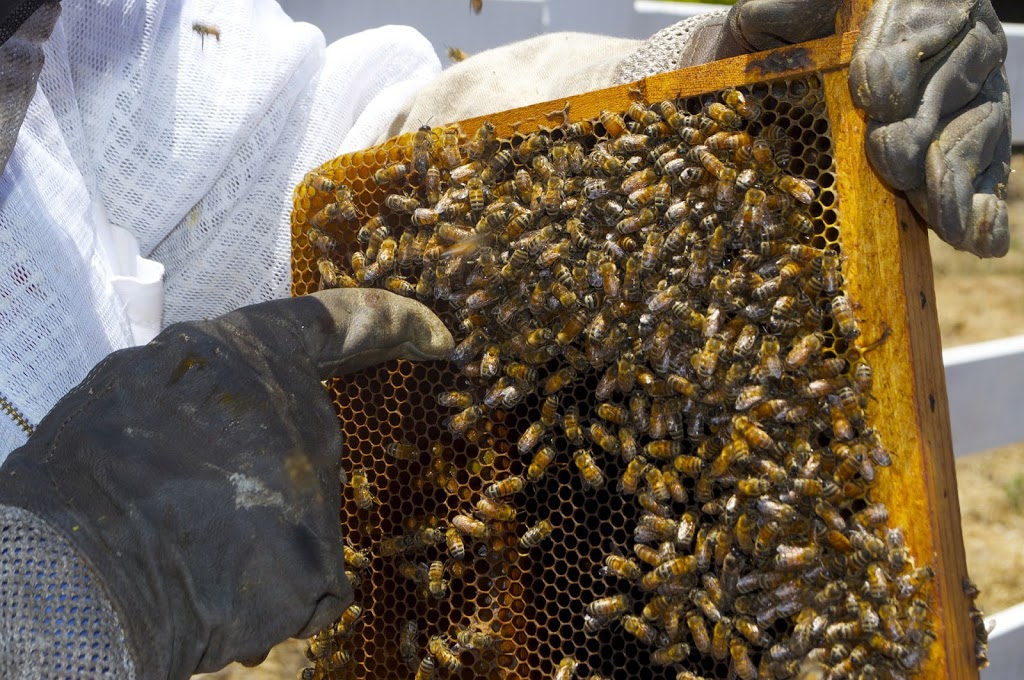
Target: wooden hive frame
{"points": [[888, 270]]}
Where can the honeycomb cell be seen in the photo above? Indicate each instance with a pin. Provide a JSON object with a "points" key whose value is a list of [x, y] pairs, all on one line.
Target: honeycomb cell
{"points": [[659, 336]]}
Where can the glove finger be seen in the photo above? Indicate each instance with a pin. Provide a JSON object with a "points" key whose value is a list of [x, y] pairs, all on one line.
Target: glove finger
{"points": [[764, 24], [966, 171], [901, 43], [374, 326], [897, 149]]}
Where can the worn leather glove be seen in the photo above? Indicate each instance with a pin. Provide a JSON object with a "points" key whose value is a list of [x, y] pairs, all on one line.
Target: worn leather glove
{"points": [[929, 75], [198, 475]]}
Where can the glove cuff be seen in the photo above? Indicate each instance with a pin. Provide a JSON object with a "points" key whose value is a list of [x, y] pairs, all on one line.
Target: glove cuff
{"points": [[692, 41], [56, 617]]}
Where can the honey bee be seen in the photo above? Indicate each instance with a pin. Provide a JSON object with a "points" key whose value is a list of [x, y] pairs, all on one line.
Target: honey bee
{"points": [[474, 639], [355, 559], [482, 140], [542, 460], [566, 669], [610, 607], [720, 636], [623, 567], [425, 671], [802, 190], [748, 109], [463, 420], [494, 510], [450, 153], [706, 360], [804, 350], [592, 476], [204, 30], [407, 647], [402, 450], [467, 526], [438, 648], [455, 54], [453, 541], [391, 174], [722, 115], [535, 535], [842, 310], [361, 489], [505, 487]]}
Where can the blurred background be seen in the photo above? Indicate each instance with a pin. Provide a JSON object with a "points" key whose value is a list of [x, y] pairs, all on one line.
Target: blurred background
{"points": [[980, 302]]}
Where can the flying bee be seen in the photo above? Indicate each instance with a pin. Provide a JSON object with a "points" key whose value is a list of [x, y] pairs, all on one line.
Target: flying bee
{"points": [[535, 535], [391, 174], [505, 487], [204, 30], [456, 54], [476, 6], [361, 489], [589, 472], [467, 526]]}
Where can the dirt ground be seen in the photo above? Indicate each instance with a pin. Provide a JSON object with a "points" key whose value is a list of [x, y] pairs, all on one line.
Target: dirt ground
{"points": [[977, 300]]}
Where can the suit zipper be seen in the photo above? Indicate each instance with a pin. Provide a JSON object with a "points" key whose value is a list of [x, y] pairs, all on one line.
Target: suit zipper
{"points": [[17, 416]]}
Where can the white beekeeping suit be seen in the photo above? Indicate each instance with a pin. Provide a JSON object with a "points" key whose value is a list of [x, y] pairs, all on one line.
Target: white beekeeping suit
{"points": [[152, 177]]}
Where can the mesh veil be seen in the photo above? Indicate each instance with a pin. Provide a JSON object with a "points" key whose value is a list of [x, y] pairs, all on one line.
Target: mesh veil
{"points": [[56, 621], [192, 146]]}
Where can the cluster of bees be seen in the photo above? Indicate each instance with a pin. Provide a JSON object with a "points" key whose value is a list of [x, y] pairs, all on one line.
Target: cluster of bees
{"points": [[669, 261]]}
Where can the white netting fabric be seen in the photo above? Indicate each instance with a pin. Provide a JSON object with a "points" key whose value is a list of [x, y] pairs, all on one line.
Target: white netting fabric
{"points": [[141, 130], [667, 49], [55, 620]]}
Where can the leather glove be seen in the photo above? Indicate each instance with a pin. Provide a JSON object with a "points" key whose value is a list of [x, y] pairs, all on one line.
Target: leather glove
{"points": [[198, 474], [929, 75]]}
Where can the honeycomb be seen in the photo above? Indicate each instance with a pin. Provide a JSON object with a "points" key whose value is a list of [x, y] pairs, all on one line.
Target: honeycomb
{"points": [[693, 501]]}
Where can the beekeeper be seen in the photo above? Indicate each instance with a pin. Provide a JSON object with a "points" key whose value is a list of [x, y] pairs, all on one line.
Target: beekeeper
{"points": [[177, 509]]}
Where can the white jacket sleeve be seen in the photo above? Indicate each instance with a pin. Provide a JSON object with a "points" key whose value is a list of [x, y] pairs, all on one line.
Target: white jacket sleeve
{"points": [[152, 179]]}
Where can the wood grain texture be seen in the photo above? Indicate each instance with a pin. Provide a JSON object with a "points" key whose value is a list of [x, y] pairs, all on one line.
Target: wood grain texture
{"points": [[887, 267], [788, 62]]}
